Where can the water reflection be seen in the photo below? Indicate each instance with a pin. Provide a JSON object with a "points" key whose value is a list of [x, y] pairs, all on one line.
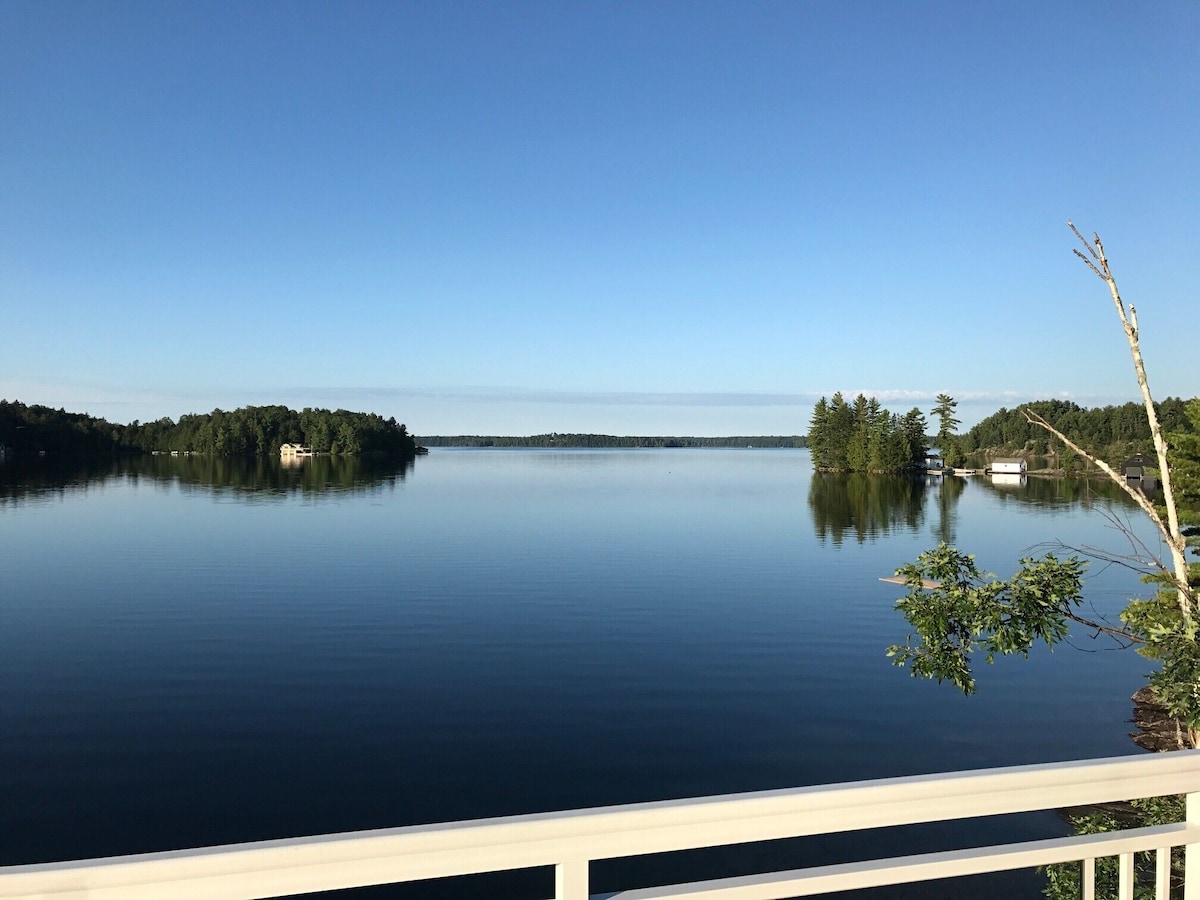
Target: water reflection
{"points": [[864, 506], [949, 491], [1008, 479], [47, 477], [261, 478], [871, 506], [1052, 492]]}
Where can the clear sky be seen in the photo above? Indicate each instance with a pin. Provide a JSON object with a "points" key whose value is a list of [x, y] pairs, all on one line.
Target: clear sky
{"points": [[619, 217]]}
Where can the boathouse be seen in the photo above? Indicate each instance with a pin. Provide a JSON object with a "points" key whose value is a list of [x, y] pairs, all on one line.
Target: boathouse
{"points": [[1008, 466], [1135, 467]]}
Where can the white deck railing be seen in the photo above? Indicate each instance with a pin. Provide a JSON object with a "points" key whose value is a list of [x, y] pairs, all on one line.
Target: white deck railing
{"points": [[569, 841]]}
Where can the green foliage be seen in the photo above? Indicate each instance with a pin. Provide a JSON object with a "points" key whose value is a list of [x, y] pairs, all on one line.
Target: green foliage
{"points": [[863, 436], [970, 612], [261, 430], [1171, 640], [250, 431], [952, 450], [1068, 461], [1183, 442], [29, 430], [944, 412], [1111, 432]]}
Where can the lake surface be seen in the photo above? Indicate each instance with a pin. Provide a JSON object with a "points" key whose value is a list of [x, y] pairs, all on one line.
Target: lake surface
{"points": [[198, 651]]}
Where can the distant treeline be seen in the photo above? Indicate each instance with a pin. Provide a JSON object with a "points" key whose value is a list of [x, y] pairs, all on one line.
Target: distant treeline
{"points": [[605, 440], [249, 431], [1112, 432]]}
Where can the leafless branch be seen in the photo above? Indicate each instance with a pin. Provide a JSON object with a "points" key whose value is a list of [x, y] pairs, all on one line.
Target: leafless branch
{"points": [[1120, 634], [1086, 245], [1133, 563]]}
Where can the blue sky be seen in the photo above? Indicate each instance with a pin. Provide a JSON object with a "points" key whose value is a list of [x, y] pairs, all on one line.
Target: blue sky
{"points": [[631, 218]]}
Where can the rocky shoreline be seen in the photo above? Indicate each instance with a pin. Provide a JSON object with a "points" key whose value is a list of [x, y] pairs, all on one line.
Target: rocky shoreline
{"points": [[1157, 729]]}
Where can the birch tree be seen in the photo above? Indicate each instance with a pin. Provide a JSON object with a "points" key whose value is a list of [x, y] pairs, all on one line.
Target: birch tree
{"points": [[955, 611], [1170, 530]]}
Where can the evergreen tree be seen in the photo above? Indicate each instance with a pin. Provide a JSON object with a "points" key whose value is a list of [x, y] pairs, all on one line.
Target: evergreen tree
{"points": [[913, 426], [948, 423], [818, 434], [864, 437]]}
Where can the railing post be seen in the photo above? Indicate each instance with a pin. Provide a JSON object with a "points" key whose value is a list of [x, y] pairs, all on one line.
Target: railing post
{"points": [[1162, 873], [1088, 885], [1125, 876], [1191, 853], [571, 879]]}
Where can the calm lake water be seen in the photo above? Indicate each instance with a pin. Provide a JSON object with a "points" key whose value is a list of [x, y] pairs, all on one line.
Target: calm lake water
{"points": [[200, 652]]}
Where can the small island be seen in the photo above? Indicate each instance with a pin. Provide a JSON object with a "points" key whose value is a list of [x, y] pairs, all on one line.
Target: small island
{"points": [[864, 437]]}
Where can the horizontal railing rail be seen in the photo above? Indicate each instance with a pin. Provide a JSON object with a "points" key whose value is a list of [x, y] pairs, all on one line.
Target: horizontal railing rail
{"points": [[570, 840]]}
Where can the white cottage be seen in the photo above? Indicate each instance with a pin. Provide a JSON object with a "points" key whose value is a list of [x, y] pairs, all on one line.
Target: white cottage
{"points": [[1008, 466], [291, 451]]}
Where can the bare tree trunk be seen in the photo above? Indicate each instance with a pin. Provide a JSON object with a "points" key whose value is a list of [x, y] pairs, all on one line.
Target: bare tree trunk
{"points": [[1170, 530]]}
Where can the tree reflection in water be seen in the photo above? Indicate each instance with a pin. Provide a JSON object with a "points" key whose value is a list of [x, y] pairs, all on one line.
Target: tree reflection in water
{"points": [[256, 478], [865, 506]]}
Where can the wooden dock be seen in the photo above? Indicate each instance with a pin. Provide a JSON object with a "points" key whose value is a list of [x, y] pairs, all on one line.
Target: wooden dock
{"points": [[925, 583]]}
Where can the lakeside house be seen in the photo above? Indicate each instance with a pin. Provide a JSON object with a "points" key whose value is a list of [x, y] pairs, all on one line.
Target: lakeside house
{"points": [[294, 451], [1008, 465], [1134, 468]]}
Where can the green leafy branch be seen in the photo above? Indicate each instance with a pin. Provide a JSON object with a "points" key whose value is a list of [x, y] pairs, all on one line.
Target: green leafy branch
{"points": [[956, 611]]}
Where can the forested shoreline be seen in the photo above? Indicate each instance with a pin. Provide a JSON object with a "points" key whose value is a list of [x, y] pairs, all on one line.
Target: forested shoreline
{"points": [[862, 436], [1112, 433], [857, 435], [248, 431]]}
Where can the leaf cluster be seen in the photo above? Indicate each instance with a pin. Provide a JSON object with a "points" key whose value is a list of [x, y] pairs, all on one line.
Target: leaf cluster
{"points": [[956, 611], [1171, 640]]}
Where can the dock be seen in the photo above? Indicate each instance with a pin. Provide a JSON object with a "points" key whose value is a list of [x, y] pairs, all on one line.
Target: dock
{"points": [[925, 583]]}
